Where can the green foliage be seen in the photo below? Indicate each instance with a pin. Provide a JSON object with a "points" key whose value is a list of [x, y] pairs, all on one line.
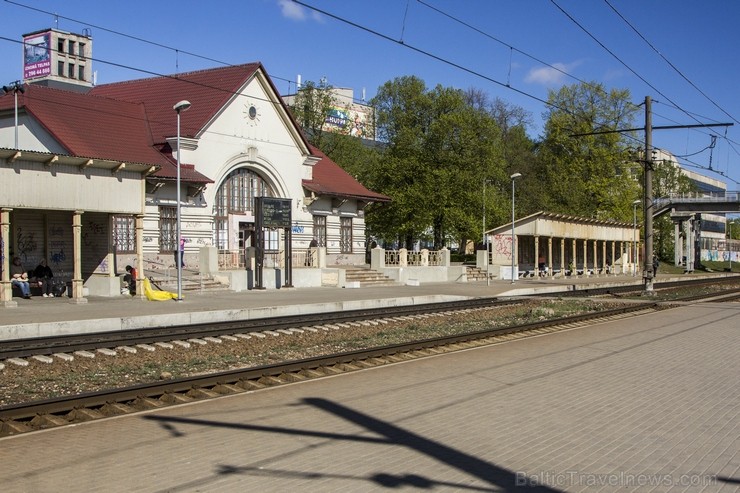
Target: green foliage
{"points": [[667, 179], [441, 144], [310, 108], [586, 175]]}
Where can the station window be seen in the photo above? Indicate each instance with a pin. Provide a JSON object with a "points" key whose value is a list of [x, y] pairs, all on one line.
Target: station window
{"points": [[345, 234], [167, 229], [319, 230], [124, 234]]}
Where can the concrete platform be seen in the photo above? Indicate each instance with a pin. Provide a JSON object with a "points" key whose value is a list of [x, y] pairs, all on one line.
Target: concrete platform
{"points": [[40, 317], [640, 404]]}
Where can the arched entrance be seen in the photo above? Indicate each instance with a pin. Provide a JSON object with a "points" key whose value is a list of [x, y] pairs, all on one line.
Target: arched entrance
{"points": [[233, 210]]}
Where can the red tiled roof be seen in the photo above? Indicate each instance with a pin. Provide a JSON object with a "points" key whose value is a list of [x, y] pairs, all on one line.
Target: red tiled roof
{"points": [[131, 121], [88, 126], [207, 90], [330, 179]]}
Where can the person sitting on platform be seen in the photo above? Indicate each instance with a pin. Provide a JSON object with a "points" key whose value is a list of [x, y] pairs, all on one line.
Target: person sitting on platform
{"points": [[130, 279], [44, 276], [19, 277]]}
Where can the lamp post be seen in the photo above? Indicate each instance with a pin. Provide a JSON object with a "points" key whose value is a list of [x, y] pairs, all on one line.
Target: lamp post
{"points": [[179, 108], [485, 238], [729, 245], [16, 87], [513, 238], [634, 239]]}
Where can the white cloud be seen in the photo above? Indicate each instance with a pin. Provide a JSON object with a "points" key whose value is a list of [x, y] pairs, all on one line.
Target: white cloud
{"points": [[550, 76], [296, 12], [292, 10]]}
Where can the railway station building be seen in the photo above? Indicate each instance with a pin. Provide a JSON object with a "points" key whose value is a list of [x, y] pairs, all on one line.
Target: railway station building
{"points": [[89, 173]]}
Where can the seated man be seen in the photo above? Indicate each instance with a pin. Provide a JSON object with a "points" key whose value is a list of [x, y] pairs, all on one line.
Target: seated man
{"points": [[130, 279], [19, 277], [44, 276]]}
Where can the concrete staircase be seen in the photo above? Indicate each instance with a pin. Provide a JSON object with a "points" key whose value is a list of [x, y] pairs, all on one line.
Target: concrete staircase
{"points": [[475, 274], [367, 277], [192, 282]]}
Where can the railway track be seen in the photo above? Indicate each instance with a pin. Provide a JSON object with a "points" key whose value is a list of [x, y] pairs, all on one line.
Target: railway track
{"points": [[47, 346], [96, 405], [44, 346]]}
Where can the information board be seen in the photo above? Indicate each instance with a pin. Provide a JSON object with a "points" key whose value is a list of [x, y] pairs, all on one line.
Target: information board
{"points": [[275, 212]]}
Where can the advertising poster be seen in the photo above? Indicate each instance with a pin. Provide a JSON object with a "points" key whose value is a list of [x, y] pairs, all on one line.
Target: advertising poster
{"points": [[36, 55]]}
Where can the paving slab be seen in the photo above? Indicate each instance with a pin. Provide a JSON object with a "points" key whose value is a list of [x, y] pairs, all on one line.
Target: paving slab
{"points": [[649, 403]]}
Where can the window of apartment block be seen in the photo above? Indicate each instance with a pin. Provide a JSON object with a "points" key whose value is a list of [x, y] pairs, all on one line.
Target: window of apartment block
{"points": [[81, 50], [124, 234], [319, 230], [81, 72], [60, 45], [167, 229], [71, 47], [345, 234], [60, 69], [71, 71]]}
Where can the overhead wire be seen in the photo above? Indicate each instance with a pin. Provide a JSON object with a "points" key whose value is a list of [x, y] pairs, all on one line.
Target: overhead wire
{"points": [[401, 42], [443, 60], [669, 62], [572, 19], [176, 51], [159, 75], [711, 132]]}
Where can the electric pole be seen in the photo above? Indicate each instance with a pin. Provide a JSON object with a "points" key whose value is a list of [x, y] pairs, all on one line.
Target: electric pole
{"points": [[647, 200]]}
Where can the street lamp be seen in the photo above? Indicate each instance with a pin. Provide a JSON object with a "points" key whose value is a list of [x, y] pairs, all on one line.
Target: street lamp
{"points": [[634, 232], [513, 238], [729, 246], [16, 87], [485, 238], [179, 107]]}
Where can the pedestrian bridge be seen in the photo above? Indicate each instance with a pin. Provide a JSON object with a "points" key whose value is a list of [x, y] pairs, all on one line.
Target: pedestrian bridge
{"points": [[713, 202]]}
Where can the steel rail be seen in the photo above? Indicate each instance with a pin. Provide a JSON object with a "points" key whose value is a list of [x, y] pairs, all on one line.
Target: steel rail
{"points": [[66, 410], [158, 394], [24, 348], [45, 346]]}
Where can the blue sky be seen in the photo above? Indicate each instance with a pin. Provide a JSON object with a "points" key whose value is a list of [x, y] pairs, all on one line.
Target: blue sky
{"points": [[687, 62]]}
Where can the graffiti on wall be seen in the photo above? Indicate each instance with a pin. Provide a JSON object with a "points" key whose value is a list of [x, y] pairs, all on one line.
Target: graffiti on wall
{"points": [[56, 253], [25, 243], [501, 246]]}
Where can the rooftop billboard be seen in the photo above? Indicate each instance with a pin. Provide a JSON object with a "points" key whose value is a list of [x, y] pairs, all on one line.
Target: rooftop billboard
{"points": [[36, 55]]}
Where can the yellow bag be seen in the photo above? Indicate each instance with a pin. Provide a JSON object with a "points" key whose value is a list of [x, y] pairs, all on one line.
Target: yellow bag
{"points": [[152, 295]]}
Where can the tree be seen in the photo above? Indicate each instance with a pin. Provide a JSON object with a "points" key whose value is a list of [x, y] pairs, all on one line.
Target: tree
{"points": [[438, 150], [667, 179], [311, 107], [580, 174]]}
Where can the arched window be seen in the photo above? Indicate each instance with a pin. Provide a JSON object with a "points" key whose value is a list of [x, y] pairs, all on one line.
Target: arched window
{"points": [[236, 196]]}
